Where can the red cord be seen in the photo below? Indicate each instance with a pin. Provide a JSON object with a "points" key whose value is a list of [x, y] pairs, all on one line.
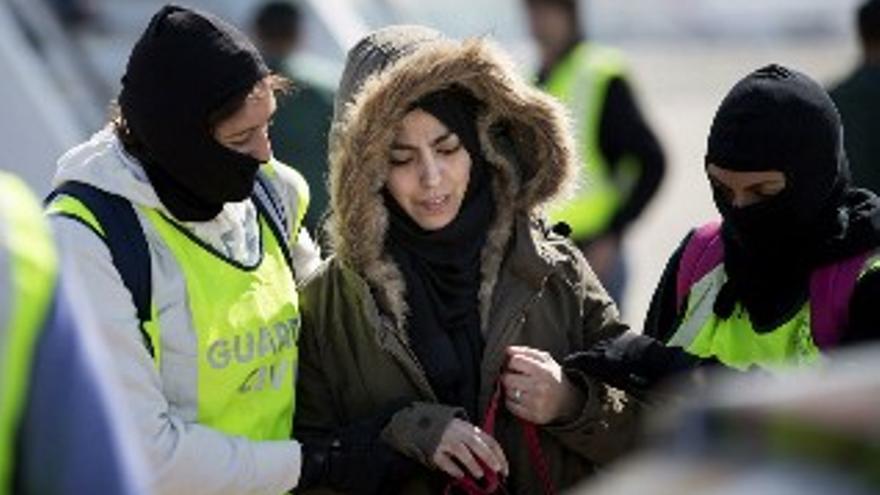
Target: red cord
{"points": [[491, 481]]}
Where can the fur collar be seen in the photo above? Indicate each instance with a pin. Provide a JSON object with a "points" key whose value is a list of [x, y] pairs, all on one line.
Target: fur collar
{"points": [[525, 137]]}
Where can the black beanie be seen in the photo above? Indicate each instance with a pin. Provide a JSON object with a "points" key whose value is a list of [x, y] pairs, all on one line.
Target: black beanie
{"points": [[186, 65], [374, 54]]}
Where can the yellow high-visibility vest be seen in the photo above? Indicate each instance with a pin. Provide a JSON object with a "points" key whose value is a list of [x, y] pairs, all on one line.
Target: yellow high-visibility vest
{"points": [[239, 343], [32, 264], [581, 82]]}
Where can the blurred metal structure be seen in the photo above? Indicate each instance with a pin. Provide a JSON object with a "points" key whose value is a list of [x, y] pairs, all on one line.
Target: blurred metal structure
{"points": [[42, 86], [60, 81], [71, 69], [331, 26]]}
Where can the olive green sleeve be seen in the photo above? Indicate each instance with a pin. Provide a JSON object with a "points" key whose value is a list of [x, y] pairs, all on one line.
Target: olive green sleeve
{"points": [[416, 429], [606, 424], [315, 401]]}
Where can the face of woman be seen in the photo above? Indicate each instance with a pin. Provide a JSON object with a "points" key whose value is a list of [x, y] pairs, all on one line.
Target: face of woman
{"points": [[430, 170], [247, 130], [741, 189]]}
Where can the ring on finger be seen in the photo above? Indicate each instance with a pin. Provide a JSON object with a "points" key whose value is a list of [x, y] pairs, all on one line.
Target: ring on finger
{"points": [[517, 394]]}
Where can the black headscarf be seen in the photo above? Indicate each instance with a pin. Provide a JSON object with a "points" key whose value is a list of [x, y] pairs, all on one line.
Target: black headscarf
{"points": [[441, 268], [779, 119], [186, 65]]}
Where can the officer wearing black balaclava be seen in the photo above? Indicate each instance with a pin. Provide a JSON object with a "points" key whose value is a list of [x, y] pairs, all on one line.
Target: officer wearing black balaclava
{"points": [[781, 120], [183, 68], [776, 120], [777, 257], [166, 204]]}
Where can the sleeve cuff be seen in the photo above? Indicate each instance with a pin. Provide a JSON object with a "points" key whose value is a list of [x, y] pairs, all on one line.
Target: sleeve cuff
{"points": [[416, 430], [604, 429], [584, 418]]}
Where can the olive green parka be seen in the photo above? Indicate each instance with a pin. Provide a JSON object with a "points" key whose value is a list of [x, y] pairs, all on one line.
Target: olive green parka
{"points": [[536, 289]]}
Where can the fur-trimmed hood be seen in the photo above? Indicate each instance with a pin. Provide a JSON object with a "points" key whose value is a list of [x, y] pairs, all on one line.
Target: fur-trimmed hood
{"points": [[524, 135]]}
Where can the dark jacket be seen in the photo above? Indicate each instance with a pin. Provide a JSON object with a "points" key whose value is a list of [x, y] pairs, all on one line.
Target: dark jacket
{"points": [[858, 100], [536, 289], [299, 138]]}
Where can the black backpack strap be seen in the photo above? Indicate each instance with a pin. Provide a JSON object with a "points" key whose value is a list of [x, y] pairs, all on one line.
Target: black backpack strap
{"points": [[270, 205], [125, 239]]}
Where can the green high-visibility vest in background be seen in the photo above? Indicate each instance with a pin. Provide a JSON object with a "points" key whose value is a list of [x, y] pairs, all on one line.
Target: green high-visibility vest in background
{"points": [[581, 82], [32, 266]]}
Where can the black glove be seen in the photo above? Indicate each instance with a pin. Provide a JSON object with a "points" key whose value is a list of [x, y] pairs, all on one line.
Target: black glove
{"points": [[352, 459], [631, 362]]}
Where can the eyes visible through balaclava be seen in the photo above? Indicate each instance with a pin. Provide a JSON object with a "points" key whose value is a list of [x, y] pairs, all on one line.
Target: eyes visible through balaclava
{"points": [[777, 119], [741, 189]]}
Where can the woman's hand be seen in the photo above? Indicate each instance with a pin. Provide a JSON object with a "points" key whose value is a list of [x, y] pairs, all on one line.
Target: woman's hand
{"points": [[535, 387], [463, 444]]}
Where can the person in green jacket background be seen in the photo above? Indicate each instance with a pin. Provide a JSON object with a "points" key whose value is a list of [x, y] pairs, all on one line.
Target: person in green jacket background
{"points": [[858, 99], [302, 119], [622, 161]]}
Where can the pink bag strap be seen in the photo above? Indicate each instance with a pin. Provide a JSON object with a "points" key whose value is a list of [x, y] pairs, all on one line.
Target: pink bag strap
{"points": [[702, 253], [831, 287]]}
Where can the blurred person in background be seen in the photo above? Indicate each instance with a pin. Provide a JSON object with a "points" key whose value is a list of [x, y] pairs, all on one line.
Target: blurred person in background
{"points": [[188, 233], [441, 161], [622, 162], [858, 99], [75, 14], [61, 429], [302, 120]]}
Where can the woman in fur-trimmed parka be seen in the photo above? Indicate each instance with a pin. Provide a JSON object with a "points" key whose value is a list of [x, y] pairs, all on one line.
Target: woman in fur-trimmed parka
{"points": [[445, 281]]}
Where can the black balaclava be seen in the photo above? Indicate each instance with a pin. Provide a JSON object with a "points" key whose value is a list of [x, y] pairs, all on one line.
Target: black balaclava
{"points": [[186, 65], [441, 268], [779, 119]]}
